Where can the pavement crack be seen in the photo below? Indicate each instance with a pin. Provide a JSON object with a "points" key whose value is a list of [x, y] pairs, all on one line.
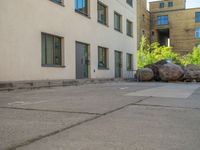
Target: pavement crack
{"points": [[30, 141], [164, 106], [48, 110]]}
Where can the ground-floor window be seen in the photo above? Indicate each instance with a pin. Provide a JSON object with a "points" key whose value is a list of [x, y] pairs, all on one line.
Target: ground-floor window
{"points": [[102, 58], [197, 33], [51, 50], [129, 62]]}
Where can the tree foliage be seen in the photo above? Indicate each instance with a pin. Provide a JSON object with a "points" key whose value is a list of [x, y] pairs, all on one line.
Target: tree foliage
{"points": [[150, 54]]}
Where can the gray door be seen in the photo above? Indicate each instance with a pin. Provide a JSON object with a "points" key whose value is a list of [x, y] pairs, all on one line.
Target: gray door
{"points": [[81, 60], [118, 64]]}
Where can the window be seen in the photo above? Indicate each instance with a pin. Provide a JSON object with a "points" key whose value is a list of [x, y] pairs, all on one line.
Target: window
{"points": [[51, 50], [102, 13], [129, 27], [61, 2], [102, 58], [162, 20], [162, 5], [118, 22], [197, 16], [197, 33], [170, 4], [82, 7], [129, 62], [130, 2]]}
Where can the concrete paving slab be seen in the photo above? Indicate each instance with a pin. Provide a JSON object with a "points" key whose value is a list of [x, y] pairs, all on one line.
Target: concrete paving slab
{"points": [[171, 90], [88, 98], [18, 126], [133, 128]]}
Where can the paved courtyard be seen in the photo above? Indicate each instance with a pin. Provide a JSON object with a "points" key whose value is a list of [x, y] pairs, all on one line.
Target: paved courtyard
{"points": [[109, 116]]}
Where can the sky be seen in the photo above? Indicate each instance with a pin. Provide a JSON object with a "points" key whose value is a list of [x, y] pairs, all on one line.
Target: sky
{"points": [[189, 3]]}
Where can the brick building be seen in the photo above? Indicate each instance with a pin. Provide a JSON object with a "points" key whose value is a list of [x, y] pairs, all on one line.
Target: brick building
{"points": [[171, 24]]}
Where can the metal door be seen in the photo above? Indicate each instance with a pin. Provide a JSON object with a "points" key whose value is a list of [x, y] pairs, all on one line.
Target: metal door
{"points": [[118, 64], [81, 60]]}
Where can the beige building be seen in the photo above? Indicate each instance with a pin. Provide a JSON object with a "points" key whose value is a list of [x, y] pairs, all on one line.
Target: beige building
{"points": [[67, 39], [174, 25]]}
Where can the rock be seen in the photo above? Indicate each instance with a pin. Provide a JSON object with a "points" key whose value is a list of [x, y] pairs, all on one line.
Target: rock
{"points": [[170, 72], [145, 74], [192, 73], [155, 68]]}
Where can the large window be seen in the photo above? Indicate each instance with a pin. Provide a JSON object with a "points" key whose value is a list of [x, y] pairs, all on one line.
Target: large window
{"points": [[129, 62], [118, 22], [162, 20], [170, 4], [197, 16], [102, 58], [129, 26], [102, 13], [82, 7], [51, 50], [197, 33], [130, 2]]}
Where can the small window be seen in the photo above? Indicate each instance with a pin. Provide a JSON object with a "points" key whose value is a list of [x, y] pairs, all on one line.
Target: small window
{"points": [[197, 33], [129, 27], [197, 17], [82, 7], [162, 5], [170, 4], [118, 22], [102, 13], [130, 2], [51, 50], [129, 62], [162, 20], [60, 2], [102, 58]]}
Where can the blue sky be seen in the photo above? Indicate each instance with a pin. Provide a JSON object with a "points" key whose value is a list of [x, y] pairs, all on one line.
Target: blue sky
{"points": [[190, 3]]}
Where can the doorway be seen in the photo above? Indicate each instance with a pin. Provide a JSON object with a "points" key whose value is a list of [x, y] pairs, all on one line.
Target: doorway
{"points": [[118, 64], [82, 60]]}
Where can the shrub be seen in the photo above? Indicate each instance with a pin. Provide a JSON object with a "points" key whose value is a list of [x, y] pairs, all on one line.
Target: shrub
{"points": [[149, 54]]}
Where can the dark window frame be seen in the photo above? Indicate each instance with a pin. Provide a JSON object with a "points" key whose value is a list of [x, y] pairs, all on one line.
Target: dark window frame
{"points": [[104, 22], [120, 22], [129, 62], [54, 64], [129, 2], [104, 64], [170, 4], [161, 5], [85, 11], [59, 2], [128, 22], [197, 33], [162, 20], [197, 16]]}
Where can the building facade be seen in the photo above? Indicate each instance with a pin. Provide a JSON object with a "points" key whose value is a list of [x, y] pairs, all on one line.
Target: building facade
{"points": [[62, 39], [173, 25]]}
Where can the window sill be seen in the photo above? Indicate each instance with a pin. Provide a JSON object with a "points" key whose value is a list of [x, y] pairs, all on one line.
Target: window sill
{"points": [[54, 66], [99, 68], [61, 4], [118, 30], [82, 14], [131, 36], [102, 23]]}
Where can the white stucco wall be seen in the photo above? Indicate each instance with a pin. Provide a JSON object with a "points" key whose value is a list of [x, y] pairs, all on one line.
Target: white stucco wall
{"points": [[21, 24]]}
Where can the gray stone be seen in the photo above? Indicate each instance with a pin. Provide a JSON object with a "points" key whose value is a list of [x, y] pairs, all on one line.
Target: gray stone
{"points": [[170, 72], [145, 74]]}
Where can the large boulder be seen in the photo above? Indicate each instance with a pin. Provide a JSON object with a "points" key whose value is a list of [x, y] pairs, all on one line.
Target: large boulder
{"points": [[192, 73], [155, 67], [170, 72], [145, 74]]}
